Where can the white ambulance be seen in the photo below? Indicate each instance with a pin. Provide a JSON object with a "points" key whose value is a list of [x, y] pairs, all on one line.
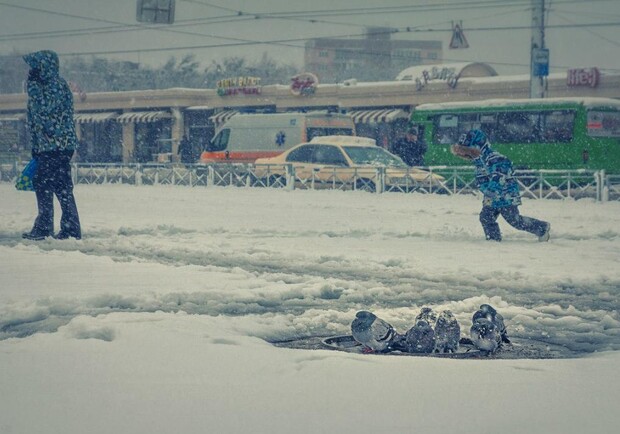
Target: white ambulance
{"points": [[246, 137]]}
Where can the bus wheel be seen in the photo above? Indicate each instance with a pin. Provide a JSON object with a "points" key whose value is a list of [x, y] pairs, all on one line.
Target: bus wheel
{"points": [[364, 184]]}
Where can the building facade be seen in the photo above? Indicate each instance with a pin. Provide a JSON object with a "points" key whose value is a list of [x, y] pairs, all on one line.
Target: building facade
{"points": [[377, 57], [147, 126]]}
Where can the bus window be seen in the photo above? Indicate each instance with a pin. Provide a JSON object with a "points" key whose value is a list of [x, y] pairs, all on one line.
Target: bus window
{"points": [[557, 126], [468, 121], [446, 129], [219, 142], [518, 127], [603, 124], [488, 124]]}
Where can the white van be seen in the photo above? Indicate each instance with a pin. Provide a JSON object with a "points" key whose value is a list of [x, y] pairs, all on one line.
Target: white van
{"points": [[246, 137]]}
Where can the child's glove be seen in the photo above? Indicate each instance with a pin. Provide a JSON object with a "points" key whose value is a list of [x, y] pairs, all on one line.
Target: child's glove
{"points": [[465, 152]]}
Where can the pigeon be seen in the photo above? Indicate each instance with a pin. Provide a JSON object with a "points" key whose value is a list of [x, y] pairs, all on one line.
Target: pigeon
{"points": [[420, 338], [447, 333], [427, 314], [485, 335], [488, 312], [373, 333]]}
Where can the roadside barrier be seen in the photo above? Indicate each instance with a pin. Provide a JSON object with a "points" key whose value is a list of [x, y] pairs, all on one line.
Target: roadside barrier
{"points": [[535, 184]]}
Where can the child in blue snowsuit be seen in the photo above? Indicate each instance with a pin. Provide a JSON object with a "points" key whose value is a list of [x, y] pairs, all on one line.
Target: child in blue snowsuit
{"points": [[494, 177]]}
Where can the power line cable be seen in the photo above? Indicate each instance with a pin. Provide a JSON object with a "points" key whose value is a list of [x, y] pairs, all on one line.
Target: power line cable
{"points": [[240, 16], [130, 27], [241, 42], [136, 27], [286, 41], [445, 6], [598, 35]]}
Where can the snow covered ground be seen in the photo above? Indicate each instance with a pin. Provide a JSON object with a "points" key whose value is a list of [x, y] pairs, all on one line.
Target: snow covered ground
{"points": [[158, 321]]}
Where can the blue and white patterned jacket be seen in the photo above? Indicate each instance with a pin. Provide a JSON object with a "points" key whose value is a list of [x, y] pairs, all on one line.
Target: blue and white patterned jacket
{"points": [[494, 173], [50, 105]]}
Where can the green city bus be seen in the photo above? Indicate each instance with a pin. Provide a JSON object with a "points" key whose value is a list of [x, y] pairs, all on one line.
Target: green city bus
{"points": [[551, 133]]}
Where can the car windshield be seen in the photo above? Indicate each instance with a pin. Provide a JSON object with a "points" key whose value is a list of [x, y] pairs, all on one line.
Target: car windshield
{"points": [[372, 156]]}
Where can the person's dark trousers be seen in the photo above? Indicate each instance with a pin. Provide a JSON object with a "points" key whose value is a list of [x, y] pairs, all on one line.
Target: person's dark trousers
{"points": [[53, 177], [488, 218]]}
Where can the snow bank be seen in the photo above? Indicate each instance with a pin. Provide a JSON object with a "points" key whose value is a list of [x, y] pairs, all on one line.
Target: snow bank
{"points": [[158, 319]]}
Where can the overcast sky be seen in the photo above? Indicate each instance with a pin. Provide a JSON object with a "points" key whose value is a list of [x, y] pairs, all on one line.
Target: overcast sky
{"points": [[214, 29]]}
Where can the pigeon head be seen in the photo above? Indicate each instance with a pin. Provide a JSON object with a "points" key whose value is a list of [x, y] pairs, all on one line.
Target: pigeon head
{"points": [[485, 311], [445, 315], [363, 320], [423, 325], [487, 308]]}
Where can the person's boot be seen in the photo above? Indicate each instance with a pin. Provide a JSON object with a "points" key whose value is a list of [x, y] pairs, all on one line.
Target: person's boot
{"points": [[36, 235], [63, 235], [546, 235]]}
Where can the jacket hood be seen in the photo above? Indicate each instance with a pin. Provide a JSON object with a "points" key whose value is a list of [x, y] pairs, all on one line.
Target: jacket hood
{"points": [[45, 62], [474, 139], [477, 139]]}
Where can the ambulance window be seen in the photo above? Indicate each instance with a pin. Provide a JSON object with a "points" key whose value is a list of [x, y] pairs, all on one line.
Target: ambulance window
{"points": [[220, 141]]}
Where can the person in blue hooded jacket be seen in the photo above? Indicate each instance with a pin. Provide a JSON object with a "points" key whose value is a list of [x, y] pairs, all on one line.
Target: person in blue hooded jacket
{"points": [[494, 177], [53, 141]]}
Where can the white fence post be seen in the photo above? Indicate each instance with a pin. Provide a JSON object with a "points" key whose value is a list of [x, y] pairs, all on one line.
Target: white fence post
{"points": [[290, 177], [380, 185], [604, 186], [138, 174], [210, 176]]}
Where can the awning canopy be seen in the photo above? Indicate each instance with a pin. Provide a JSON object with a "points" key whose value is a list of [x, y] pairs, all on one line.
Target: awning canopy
{"points": [[84, 118], [137, 117], [376, 116], [12, 117], [222, 117], [199, 107]]}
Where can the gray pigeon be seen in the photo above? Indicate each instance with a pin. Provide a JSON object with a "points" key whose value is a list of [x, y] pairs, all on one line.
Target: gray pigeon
{"points": [[426, 314], [487, 311], [372, 332], [420, 338], [485, 335], [447, 333]]}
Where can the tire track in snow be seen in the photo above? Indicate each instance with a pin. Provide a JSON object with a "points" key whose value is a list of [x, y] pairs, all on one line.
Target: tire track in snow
{"points": [[400, 285], [304, 285]]}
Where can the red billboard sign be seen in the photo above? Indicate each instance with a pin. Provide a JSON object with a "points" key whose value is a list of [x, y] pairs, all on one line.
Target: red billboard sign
{"points": [[582, 77]]}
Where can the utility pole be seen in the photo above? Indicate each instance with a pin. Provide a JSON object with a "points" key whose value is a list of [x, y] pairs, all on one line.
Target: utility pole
{"points": [[539, 55]]}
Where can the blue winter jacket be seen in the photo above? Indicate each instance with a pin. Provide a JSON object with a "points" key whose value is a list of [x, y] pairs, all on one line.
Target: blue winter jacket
{"points": [[494, 173], [494, 176], [50, 105]]}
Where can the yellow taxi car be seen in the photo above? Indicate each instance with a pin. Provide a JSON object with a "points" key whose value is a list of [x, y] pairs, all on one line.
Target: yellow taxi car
{"points": [[345, 162]]}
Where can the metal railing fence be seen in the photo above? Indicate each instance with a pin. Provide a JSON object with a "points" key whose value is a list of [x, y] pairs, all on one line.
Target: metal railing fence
{"points": [[534, 184]]}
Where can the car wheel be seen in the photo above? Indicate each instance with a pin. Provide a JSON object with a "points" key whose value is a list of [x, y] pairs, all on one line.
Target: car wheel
{"points": [[364, 184]]}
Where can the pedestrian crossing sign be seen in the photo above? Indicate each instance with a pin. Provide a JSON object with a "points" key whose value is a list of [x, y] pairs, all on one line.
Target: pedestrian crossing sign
{"points": [[458, 37]]}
